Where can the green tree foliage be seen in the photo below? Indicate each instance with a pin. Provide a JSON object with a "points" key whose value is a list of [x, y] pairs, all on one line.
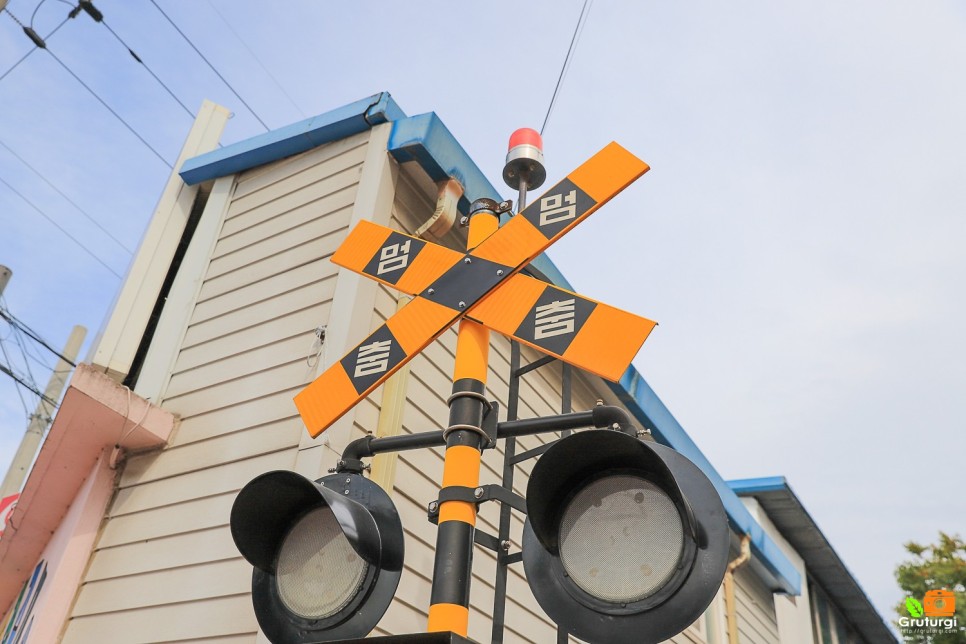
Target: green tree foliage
{"points": [[934, 567]]}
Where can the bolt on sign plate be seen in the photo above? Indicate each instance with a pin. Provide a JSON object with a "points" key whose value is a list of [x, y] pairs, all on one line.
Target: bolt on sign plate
{"points": [[484, 285]]}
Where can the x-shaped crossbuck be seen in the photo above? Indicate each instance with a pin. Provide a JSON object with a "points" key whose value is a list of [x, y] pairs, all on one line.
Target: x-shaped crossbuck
{"points": [[484, 285]]}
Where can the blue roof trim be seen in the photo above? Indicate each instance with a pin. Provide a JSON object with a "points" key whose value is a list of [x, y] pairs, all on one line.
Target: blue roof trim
{"points": [[640, 400], [426, 140], [758, 486], [543, 264], [292, 139]]}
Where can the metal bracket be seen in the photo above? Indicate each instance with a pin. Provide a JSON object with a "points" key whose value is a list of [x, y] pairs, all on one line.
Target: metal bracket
{"points": [[477, 495], [531, 453], [491, 421]]}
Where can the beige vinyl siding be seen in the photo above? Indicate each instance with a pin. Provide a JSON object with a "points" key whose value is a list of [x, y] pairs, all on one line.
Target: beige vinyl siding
{"points": [[165, 567], [755, 605]]}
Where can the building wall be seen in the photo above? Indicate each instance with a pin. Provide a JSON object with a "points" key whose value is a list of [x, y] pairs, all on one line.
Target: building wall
{"points": [[165, 567], [794, 613], [234, 345], [755, 607]]}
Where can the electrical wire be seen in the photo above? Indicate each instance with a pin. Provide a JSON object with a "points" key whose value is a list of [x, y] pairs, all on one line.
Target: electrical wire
{"points": [[26, 385], [573, 40], [37, 359], [3, 349], [217, 73], [18, 338], [108, 108], [33, 335], [69, 200], [39, 5], [24, 57], [60, 228], [257, 59], [149, 70]]}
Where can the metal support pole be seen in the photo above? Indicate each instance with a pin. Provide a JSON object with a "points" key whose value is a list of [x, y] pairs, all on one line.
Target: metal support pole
{"points": [[566, 406], [509, 451], [41, 417], [465, 439]]}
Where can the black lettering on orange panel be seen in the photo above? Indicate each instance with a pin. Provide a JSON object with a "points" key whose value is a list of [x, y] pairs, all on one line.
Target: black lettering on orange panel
{"points": [[372, 359], [558, 208], [395, 256], [555, 319]]}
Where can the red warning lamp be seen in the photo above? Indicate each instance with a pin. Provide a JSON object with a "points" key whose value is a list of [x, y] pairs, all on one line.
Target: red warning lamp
{"points": [[524, 160]]}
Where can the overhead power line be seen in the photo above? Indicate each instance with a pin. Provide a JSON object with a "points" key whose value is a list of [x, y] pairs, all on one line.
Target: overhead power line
{"points": [[148, 69], [26, 385], [60, 228], [42, 44], [69, 200], [25, 56], [33, 335], [108, 108], [217, 73], [3, 349], [255, 56], [581, 20]]}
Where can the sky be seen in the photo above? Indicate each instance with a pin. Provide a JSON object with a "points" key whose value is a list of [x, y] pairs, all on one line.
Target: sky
{"points": [[799, 238]]}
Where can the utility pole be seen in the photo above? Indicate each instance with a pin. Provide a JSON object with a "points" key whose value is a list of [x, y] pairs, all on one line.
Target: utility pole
{"points": [[43, 415], [5, 272]]}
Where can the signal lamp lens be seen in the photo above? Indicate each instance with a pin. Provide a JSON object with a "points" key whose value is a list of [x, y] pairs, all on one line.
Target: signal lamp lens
{"points": [[318, 572], [621, 539]]}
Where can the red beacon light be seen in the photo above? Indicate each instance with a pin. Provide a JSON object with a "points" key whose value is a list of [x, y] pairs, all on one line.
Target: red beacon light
{"points": [[524, 160]]}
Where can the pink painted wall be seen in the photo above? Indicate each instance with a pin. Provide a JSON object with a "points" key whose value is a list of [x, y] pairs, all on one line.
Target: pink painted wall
{"points": [[67, 554]]}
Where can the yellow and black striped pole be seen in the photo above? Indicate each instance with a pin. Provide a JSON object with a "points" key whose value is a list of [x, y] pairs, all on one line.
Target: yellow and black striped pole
{"points": [[465, 439]]}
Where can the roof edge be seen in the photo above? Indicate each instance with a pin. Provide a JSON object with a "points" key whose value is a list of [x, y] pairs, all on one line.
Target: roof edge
{"points": [[873, 627], [292, 139], [759, 485]]}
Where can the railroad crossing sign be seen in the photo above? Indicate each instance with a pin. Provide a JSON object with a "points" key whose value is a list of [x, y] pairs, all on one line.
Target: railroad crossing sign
{"points": [[486, 286]]}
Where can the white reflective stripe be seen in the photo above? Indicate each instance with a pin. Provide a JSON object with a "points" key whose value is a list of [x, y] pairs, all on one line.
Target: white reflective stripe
{"points": [[552, 209], [393, 257], [554, 319], [373, 358]]}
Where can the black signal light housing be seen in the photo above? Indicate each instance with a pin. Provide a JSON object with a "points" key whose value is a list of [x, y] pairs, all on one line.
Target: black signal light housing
{"points": [[625, 541], [327, 554]]}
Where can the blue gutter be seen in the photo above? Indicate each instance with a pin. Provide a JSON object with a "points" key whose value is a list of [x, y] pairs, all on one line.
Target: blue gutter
{"points": [[760, 485], [292, 139], [427, 141]]}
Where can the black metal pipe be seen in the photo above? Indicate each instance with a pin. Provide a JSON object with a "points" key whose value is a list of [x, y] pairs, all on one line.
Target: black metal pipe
{"points": [[600, 416], [368, 446], [609, 415]]}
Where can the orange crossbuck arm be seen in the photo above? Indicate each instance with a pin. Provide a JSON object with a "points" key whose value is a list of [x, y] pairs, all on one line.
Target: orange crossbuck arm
{"points": [[448, 285], [588, 334]]}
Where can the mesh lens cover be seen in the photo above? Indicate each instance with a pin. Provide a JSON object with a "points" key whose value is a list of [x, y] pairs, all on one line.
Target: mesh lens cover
{"points": [[318, 573], [621, 539]]}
